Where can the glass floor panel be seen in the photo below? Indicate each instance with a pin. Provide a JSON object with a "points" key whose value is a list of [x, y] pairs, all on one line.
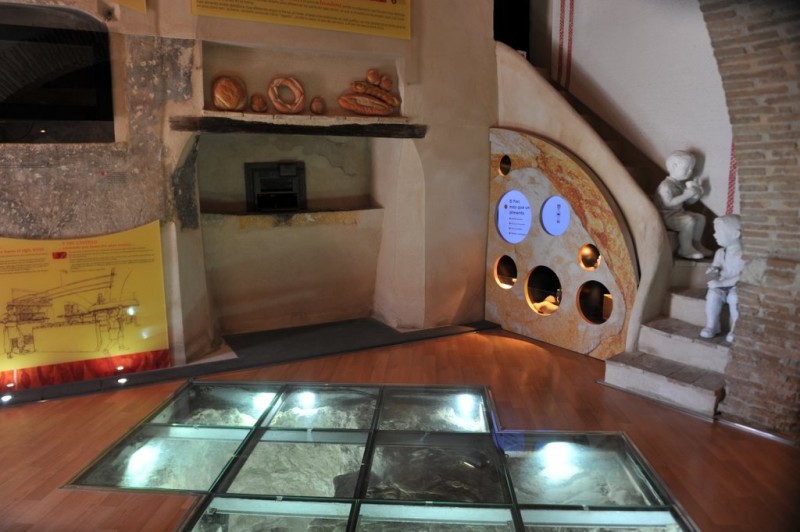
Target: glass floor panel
{"points": [[402, 518], [157, 457], [313, 465], [327, 408], [212, 404], [595, 521], [434, 411], [229, 514], [274, 456], [438, 467], [575, 470]]}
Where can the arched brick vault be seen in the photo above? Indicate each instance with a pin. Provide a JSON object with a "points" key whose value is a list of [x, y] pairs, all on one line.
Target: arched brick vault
{"points": [[757, 47]]}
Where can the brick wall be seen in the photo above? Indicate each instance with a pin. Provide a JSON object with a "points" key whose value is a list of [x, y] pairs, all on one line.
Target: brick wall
{"points": [[757, 47]]}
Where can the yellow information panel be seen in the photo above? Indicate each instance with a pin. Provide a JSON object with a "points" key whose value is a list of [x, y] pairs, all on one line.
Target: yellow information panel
{"points": [[89, 298], [386, 18]]}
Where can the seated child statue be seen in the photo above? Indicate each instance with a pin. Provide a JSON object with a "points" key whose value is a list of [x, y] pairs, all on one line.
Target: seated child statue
{"points": [[673, 192], [725, 270]]}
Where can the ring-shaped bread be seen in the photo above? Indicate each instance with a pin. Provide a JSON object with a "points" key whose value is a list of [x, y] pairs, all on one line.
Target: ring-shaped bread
{"points": [[281, 105]]}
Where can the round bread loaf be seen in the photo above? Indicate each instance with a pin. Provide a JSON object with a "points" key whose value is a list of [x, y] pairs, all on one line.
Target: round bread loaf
{"points": [[229, 93], [373, 76], [258, 102], [317, 105]]}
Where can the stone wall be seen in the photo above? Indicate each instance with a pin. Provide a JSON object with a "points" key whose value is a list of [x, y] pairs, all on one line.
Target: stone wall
{"points": [[76, 190], [757, 47]]}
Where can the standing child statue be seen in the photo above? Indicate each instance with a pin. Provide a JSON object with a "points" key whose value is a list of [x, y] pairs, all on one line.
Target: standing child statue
{"points": [[673, 192], [725, 270]]}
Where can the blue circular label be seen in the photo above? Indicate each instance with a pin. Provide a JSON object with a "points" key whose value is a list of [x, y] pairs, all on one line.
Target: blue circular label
{"points": [[513, 216], [555, 215]]}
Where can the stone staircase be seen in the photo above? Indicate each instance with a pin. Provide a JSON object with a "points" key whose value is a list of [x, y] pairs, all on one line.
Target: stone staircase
{"points": [[673, 364]]}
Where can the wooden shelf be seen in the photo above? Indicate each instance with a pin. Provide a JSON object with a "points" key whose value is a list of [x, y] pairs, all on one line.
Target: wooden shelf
{"points": [[344, 126]]}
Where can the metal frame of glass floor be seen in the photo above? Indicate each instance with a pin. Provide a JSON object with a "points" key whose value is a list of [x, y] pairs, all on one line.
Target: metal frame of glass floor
{"points": [[297, 457]]}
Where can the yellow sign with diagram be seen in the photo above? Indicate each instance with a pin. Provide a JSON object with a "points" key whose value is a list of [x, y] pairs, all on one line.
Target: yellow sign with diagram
{"points": [[81, 299]]}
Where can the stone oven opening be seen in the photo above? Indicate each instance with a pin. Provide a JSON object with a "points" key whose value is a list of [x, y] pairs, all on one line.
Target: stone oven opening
{"points": [[276, 186]]}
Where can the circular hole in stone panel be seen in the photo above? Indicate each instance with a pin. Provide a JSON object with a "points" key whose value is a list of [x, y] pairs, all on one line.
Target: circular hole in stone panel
{"points": [[589, 257], [595, 302], [513, 216], [505, 165], [543, 290], [505, 272], [555, 215]]}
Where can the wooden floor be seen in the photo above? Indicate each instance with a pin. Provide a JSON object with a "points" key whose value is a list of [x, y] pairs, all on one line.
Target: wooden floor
{"points": [[725, 478]]}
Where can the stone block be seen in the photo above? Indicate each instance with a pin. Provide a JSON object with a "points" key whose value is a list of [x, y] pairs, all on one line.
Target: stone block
{"points": [[684, 387], [679, 341]]}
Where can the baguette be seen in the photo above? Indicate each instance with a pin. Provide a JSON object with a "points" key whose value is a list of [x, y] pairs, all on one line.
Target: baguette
{"points": [[364, 104], [363, 87]]}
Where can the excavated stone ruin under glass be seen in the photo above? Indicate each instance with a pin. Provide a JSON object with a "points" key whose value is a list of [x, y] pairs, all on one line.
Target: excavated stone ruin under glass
{"points": [[295, 457]]}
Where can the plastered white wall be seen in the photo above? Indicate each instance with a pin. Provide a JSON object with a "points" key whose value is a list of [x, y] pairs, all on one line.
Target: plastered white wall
{"points": [[648, 69]]}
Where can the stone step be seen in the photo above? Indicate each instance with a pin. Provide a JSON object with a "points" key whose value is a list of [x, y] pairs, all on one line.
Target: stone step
{"points": [[679, 341], [671, 382], [690, 273], [686, 304], [689, 305]]}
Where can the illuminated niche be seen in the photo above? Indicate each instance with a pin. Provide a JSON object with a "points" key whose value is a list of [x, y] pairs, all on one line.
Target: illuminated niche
{"points": [[543, 291], [595, 302], [505, 272], [589, 257]]}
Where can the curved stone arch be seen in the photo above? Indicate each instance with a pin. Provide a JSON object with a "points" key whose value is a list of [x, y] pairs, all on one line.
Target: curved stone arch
{"points": [[541, 171], [527, 102]]}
